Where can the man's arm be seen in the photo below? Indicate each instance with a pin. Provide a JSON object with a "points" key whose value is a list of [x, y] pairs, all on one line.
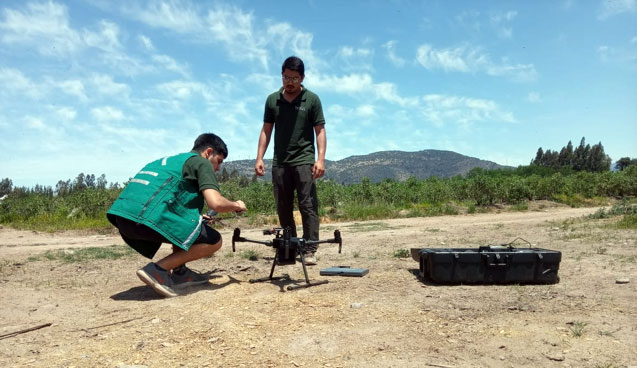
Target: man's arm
{"points": [[264, 140], [321, 144], [219, 203]]}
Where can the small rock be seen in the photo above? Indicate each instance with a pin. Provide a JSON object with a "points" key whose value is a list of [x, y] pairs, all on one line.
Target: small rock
{"points": [[155, 320], [356, 305], [622, 280]]}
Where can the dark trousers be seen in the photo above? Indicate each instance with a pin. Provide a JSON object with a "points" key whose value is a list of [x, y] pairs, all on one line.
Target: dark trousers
{"points": [[285, 181]]}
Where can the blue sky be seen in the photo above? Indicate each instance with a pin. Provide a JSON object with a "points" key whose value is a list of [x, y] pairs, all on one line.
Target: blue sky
{"points": [[102, 87]]}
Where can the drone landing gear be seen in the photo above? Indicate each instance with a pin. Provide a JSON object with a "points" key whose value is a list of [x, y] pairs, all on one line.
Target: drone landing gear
{"points": [[307, 284]]}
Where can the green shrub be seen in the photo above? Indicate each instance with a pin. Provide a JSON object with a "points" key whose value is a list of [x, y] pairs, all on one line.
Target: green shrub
{"points": [[401, 253]]}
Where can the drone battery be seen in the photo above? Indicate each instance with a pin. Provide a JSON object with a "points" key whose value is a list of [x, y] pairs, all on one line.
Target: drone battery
{"points": [[488, 265], [286, 256], [344, 271]]}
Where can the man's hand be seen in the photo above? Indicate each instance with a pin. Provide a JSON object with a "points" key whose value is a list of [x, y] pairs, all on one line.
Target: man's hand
{"points": [[259, 168], [318, 169], [242, 206]]}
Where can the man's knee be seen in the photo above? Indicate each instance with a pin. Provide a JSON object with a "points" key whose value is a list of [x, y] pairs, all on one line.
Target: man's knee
{"points": [[210, 249]]}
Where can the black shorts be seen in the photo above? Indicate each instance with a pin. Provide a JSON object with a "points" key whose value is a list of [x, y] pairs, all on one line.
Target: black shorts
{"points": [[147, 241]]}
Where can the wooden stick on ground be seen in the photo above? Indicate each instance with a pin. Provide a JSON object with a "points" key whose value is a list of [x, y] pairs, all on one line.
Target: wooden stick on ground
{"points": [[12, 334], [108, 324]]}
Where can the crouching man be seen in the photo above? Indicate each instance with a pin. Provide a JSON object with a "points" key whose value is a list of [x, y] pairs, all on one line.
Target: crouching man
{"points": [[163, 204]]}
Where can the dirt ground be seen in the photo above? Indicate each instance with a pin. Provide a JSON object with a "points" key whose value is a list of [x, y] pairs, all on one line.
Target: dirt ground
{"points": [[102, 315]]}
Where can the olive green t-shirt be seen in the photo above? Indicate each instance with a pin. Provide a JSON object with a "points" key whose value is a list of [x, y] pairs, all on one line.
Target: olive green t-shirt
{"points": [[294, 124], [199, 169]]}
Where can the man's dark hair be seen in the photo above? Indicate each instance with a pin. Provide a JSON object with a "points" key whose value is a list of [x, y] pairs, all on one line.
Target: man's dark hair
{"points": [[294, 63], [213, 141]]}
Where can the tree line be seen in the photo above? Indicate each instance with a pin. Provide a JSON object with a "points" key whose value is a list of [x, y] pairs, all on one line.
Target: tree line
{"points": [[571, 176], [583, 158]]}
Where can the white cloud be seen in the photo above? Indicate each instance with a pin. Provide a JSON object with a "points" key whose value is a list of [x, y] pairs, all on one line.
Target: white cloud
{"points": [[610, 8], [469, 19], [105, 85], [348, 52], [613, 55], [146, 43], [107, 114], [517, 72], [500, 22], [66, 113], [174, 15], [360, 85], [44, 26], [444, 109], [169, 63], [533, 97], [238, 31], [35, 123], [14, 82], [74, 88], [355, 59], [366, 111], [184, 90], [472, 60], [106, 39], [447, 59], [391, 54]]}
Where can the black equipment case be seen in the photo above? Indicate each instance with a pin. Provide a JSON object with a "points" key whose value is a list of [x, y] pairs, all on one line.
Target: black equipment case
{"points": [[488, 265]]}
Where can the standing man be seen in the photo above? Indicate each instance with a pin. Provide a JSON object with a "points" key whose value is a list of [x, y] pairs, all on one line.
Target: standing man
{"points": [[296, 115], [163, 204]]}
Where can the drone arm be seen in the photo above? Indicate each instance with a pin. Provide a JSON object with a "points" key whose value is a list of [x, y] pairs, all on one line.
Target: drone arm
{"points": [[337, 239], [236, 237]]}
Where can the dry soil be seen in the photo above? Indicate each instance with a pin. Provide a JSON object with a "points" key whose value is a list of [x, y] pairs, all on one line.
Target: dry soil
{"points": [[97, 313]]}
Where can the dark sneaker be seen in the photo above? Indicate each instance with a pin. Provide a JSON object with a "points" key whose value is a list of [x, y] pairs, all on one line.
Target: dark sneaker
{"points": [[310, 259], [157, 279], [184, 276]]}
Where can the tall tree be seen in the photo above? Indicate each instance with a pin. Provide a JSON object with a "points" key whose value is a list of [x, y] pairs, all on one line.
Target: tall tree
{"points": [[597, 160], [101, 182], [538, 156], [565, 158], [6, 186], [624, 162]]}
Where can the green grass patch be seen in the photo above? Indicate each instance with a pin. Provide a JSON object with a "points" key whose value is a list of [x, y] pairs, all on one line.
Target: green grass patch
{"points": [[401, 253], [435, 209], [50, 224], [367, 212], [577, 329], [573, 200], [360, 227], [627, 222], [85, 254], [628, 259], [250, 255], [623, 208], [522, 206]]}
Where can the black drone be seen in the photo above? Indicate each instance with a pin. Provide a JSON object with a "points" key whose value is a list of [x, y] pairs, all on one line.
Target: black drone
{"points": [[287, 249]]}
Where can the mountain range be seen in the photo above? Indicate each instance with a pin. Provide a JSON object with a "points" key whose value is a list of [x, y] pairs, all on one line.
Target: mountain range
{"points": [[377, 166]]}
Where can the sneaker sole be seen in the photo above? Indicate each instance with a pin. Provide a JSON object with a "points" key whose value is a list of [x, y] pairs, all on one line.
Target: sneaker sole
{"points": [[190, 283], [159, 288]]}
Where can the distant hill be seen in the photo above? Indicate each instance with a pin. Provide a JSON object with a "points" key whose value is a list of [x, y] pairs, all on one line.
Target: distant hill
{"points": [[377, 166]]}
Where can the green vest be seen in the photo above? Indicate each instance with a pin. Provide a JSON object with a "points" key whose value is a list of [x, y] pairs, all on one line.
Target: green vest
{"points": [[161, 199]]}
